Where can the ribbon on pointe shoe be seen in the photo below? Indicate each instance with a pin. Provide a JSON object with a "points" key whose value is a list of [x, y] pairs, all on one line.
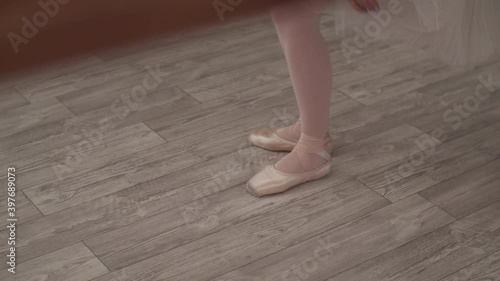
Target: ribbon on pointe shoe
{"points": [[310, 144]]}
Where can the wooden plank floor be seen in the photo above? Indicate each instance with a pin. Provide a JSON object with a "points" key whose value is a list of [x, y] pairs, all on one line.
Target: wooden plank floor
{"points": [[132, 166]]}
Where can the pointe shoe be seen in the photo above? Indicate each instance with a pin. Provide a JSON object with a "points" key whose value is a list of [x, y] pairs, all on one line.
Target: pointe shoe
{"points": [[268, 139], [271, 181]]}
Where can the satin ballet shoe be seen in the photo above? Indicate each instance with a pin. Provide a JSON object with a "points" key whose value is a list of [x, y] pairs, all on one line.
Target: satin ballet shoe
{"points": [[268, 139], [271, 181]]}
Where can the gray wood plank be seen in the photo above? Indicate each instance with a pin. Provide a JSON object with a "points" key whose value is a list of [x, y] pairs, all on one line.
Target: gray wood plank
{"points": [[368, 121], [243, 78], [73, 263], [436, 254], [476, 249], [423, 108], [259, 47], [42, 136], [488, 116], [485, 269], [156, 105], [491, 145], [428, 163], [11, 99], [39, 139], [401, 82], [29, 116], [468, 192], [223, 139], [150, 163], [81, 157], [205, 116], [257, 237], [477, 107], [371, 153], [347, 245], [58, 134], [72, 81], [120, 93]]}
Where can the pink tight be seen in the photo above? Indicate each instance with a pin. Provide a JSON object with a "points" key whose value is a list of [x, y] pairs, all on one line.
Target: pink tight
{"points": [[297, 25]]}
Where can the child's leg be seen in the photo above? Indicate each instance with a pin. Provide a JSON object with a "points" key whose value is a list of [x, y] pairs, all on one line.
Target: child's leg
{"points": [[309, 64]]}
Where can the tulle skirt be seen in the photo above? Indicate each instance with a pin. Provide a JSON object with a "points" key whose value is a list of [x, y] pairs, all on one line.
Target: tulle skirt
{"points": [[458, 32]]}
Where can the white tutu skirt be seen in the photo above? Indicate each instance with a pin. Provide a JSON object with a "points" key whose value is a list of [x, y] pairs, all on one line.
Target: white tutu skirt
{"points": [[459, 32]]}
